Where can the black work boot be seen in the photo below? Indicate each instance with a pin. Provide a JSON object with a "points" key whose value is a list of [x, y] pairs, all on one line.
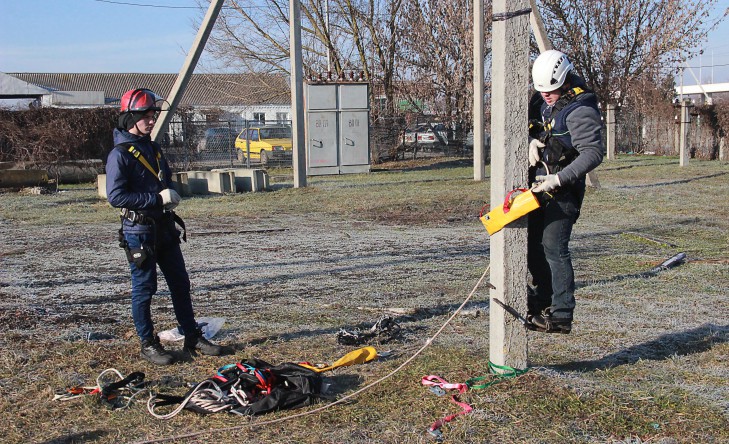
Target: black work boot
{"points": [[546, 322], [196, 342], [153, 352]]}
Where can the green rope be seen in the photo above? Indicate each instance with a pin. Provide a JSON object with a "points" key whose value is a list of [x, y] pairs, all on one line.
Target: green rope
{"points": [[508, 373]]}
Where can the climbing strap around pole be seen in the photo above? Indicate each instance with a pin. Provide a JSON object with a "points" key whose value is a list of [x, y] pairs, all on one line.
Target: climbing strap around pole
{"points": [[498, 374]]}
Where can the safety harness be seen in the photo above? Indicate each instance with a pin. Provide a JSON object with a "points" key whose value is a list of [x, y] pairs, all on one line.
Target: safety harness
{"points": [[557, 154], [137, 217], [440, 386], [140, 157]]}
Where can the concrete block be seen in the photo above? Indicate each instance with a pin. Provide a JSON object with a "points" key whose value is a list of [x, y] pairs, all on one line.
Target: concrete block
{"points": [[248, 179], [101, 185], [207, 182], [181, 185], [22, 178]]}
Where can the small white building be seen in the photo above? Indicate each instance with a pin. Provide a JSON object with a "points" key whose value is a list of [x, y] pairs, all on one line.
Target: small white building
{"points": [[241, 97]]}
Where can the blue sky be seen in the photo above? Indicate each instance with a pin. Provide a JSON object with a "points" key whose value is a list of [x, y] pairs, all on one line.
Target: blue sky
{"points": [[121, 36], [95, 36]]}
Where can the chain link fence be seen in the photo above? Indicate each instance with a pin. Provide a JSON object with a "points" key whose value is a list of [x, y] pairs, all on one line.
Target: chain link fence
{"points": [[200, 145], [393, 139], [191, 145]]}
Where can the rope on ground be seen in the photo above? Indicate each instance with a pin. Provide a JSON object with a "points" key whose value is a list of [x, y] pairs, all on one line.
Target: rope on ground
{"points": [[338, 401]]}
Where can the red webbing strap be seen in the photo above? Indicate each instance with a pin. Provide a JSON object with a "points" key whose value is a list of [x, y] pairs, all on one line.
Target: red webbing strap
{"points": [[433, 429], [436, 381]]}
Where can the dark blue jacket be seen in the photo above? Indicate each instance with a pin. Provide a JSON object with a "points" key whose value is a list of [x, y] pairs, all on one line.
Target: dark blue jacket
{"points": [[129, 184]]}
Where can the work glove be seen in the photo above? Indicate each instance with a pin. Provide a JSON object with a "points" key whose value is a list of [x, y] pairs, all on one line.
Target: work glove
{"points": [[170, 198], [547, 183], [534, 155]]}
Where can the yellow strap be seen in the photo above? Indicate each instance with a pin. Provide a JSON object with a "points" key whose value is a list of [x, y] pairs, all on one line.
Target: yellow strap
{"points": [[359, 356], [135, 152]]}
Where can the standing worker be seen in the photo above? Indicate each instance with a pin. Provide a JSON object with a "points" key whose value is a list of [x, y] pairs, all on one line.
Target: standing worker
{"points": [[568, 147], [139, 183]]}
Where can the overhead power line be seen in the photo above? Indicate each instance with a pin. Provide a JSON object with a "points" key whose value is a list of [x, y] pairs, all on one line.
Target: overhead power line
{"points": [[147, 5]]}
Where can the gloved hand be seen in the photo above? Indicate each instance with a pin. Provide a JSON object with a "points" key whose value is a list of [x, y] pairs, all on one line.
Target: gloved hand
{"points": [[534, 155], [547, 183], [170, 198]]}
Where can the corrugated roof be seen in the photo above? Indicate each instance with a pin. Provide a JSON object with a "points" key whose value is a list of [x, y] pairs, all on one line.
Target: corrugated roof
{"points": [[203, 90]]}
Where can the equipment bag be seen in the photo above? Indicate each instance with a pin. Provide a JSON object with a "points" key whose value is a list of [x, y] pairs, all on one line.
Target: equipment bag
{"points": [[249, 387]]}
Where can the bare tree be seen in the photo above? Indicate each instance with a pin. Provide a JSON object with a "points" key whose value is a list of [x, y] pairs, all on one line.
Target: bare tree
{"points": [[376, 25], [341, 35], [615, 43], [438, 55]]}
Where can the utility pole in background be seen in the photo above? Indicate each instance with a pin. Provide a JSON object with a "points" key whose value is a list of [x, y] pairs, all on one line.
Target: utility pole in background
{"points": [[479, 164], [297, 95]]}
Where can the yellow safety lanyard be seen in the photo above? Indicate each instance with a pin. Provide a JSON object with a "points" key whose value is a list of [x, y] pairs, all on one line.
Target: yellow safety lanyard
{"points": [[138, 155]]}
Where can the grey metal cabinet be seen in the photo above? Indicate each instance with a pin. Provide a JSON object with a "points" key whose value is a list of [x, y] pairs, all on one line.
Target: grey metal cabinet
{"points": [[337, 128]]}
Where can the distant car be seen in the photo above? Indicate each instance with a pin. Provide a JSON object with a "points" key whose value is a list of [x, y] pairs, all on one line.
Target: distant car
{"points": [[265, 143], [425, 134], [217, 139]]}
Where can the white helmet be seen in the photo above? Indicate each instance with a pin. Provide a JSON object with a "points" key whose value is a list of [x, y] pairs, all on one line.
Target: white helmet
{"points": [[550, 70]]}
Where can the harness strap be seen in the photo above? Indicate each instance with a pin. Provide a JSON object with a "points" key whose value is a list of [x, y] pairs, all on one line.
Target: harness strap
{"points": [[134, 377], [136, 217], [114, 395], [178, 220], [434, 428], [439, 386], [496, 375], [437, 381], [140, 157], [563, 101]]}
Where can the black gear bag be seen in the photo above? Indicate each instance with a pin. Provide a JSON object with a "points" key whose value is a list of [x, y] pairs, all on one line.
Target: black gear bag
{"points": [[249, 387]]}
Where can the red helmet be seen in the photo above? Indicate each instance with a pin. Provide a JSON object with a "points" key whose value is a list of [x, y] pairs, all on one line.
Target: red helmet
{"points": [[140, 100]]}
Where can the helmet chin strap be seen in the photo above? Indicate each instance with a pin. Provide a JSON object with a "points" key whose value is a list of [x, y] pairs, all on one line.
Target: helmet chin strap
{"points": [[138, 131]]}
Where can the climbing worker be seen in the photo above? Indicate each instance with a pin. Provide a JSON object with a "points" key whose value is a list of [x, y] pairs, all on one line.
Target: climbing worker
{"points": [[139, 183], [560, 156]]}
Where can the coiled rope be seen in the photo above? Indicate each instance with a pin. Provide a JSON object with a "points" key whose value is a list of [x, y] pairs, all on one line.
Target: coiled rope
{"points": [[338, 401]]}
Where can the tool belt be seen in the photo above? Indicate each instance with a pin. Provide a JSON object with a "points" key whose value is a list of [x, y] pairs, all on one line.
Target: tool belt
{"points": [[136, 217]]}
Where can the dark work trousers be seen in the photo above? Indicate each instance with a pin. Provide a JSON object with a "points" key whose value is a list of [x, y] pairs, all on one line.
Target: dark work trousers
{"points": [[548, 253], [168, 256]]}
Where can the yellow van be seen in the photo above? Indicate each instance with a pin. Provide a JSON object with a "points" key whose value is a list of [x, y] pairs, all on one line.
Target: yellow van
{"points": [[265, 143]]}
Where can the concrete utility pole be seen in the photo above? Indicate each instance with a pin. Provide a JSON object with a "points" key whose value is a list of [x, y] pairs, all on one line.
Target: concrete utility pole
{"points": [[540, 34], [509, 122], [178, 89], [297, 95], [610, 129], [479, 164], [683, 150]]}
